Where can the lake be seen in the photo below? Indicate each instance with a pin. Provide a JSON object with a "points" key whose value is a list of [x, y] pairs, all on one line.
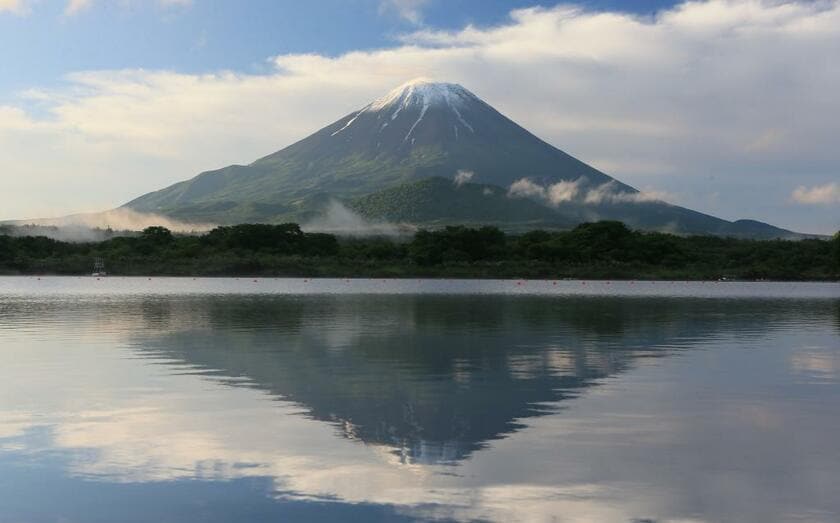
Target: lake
{"points": [[164, 399]]}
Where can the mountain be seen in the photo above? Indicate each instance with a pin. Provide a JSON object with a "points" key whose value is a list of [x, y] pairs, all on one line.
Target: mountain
{"points": [[380, 159], [438, 201]]}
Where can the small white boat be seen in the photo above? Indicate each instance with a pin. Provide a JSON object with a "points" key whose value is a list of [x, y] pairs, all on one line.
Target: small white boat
{"points": [[99, 268]]}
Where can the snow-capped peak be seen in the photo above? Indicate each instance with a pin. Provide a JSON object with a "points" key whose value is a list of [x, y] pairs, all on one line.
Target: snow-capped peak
{"points": [[424, 93], [419, 94]]}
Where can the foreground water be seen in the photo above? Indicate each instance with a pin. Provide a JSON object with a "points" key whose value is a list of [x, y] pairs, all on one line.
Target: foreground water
{"points": [[364, 400]]}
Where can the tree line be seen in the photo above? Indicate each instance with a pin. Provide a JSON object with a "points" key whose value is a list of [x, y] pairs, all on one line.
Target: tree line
{"points": [[605, 249]]}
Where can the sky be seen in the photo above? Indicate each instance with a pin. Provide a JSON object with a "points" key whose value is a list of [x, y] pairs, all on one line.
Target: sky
{"points": [[729, 108]]}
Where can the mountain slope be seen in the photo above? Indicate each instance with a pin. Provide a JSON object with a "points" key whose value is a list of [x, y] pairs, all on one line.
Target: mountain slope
{"points": [[423, 130], [438, 201], [419, 130]]}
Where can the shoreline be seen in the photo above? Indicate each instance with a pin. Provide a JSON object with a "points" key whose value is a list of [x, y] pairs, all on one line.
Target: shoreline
{"points": [[409, 278], [592, 251]]}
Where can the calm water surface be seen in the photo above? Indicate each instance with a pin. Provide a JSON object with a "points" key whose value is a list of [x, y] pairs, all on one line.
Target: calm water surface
{"points": [[129, 399]]}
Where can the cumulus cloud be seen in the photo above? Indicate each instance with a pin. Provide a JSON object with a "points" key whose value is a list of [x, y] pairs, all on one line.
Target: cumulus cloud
{"points": [[524, 187], [577, 190], [552, 194], [714, 96], [409, 10], [462, 177], [827, 194], [563, 191], [609, 193]]}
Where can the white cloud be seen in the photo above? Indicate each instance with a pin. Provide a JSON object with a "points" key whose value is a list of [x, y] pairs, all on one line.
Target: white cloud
{"points": [[462, 177], [553, 194], [563, 191], [118, 219], [577, 190], [526, 188], [827, 194], [607, 193], [338, 219], [739, 93], [410, 10]]}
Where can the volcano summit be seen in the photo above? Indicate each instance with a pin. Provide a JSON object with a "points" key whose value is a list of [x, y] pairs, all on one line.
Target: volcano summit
{"points": [[428, 153]]}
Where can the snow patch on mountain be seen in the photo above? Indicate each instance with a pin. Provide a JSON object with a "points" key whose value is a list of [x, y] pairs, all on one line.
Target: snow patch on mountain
{"points": [[419, 119], [350, 122], [424, 94]]}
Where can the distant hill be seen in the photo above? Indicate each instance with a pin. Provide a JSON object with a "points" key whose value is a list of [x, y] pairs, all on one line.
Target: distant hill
{"points": [[397, 159]]}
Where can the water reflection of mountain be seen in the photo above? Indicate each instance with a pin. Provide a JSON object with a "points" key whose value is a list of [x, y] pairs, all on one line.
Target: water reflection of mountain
{"points": [[435, 378]]}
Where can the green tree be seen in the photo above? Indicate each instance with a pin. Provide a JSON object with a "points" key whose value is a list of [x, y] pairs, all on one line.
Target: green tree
{"points": [[602, 241], [157, 235]]}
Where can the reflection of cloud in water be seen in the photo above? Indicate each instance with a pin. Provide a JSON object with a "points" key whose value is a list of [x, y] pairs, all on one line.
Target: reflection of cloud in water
{"points": [[655, 443], [816, 362]]}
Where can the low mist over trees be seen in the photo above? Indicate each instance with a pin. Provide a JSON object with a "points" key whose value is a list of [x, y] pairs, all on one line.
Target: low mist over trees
{"points": [[592, 250]]}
